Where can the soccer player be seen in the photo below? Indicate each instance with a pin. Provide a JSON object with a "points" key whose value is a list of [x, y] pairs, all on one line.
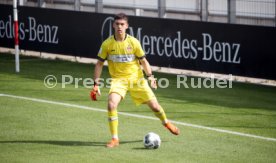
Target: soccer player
{"points": [[125, 56]]}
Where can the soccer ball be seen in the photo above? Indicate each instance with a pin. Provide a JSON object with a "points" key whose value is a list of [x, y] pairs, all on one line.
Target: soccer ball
{"points": [[152, 141]]}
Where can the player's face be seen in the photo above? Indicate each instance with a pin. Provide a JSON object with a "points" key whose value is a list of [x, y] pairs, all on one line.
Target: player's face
{"points": [[120, 26]]}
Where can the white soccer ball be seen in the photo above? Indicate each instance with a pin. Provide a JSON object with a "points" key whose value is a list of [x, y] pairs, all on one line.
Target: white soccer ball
{"points": [[152, 140]]}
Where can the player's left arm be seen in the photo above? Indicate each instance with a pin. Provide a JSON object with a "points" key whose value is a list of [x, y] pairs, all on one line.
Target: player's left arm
{"points": [[140, 54], [146, 66]]}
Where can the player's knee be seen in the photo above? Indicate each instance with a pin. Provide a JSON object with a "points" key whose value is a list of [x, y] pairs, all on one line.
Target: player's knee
{"points": [[155, 106], [112, 105]]}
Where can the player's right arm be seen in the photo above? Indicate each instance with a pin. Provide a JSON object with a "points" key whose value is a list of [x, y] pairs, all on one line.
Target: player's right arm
{"points": [[102, 55], [97, 74], [98, 71]]}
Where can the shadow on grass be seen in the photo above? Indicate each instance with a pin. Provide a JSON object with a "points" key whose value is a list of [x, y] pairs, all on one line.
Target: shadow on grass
{"points": [[141, 148], [63, 143]]}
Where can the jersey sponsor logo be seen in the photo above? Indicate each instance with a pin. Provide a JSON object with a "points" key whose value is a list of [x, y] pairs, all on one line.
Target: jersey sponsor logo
{"points": [[121, 58]]}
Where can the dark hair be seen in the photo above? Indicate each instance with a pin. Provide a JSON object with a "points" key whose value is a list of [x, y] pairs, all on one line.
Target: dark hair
{"points": [[121, 16]]}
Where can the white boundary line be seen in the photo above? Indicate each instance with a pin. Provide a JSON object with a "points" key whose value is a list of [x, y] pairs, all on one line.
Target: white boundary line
{"points": [[138, 116]]}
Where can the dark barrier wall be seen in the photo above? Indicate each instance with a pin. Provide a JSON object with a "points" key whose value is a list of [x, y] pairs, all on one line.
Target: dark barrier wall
{"points": [[210, 47]]}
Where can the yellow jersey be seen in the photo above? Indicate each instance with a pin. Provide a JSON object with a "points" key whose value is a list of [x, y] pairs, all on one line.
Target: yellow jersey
{"points": [[122, 57]]}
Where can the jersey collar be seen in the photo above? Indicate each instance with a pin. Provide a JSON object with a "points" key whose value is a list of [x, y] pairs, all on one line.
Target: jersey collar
{"points": [[116, 40]]}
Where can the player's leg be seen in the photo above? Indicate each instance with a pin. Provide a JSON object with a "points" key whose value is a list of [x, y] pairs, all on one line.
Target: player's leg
{"points": [[141, 93], [158, 110], [117, 92], [113, 102], [160, 113]]}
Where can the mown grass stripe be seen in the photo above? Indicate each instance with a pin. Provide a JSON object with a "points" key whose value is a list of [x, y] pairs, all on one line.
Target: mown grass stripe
{"points": [[139, 116]]}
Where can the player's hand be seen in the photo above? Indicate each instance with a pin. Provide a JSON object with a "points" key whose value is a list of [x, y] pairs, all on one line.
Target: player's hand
{"points": [[94, 92], [152, 81]]}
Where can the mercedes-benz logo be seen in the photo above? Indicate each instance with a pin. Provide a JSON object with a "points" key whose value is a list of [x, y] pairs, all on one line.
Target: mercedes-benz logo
{"points": [[107, 29]]}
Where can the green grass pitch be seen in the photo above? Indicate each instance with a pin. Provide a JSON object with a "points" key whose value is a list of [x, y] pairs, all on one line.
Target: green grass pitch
{"points": [[32, 131]]}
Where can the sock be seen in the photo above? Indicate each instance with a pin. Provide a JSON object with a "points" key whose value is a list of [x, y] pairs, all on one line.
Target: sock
{"points": [[113, 123], [161, 115]]}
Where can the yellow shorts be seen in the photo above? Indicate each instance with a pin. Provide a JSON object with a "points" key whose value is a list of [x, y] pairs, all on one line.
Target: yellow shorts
{"points": [[140, 90]]}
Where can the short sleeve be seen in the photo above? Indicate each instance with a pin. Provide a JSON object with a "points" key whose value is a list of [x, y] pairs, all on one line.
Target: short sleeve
{"points": [[139, 52], [102, 54]]}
